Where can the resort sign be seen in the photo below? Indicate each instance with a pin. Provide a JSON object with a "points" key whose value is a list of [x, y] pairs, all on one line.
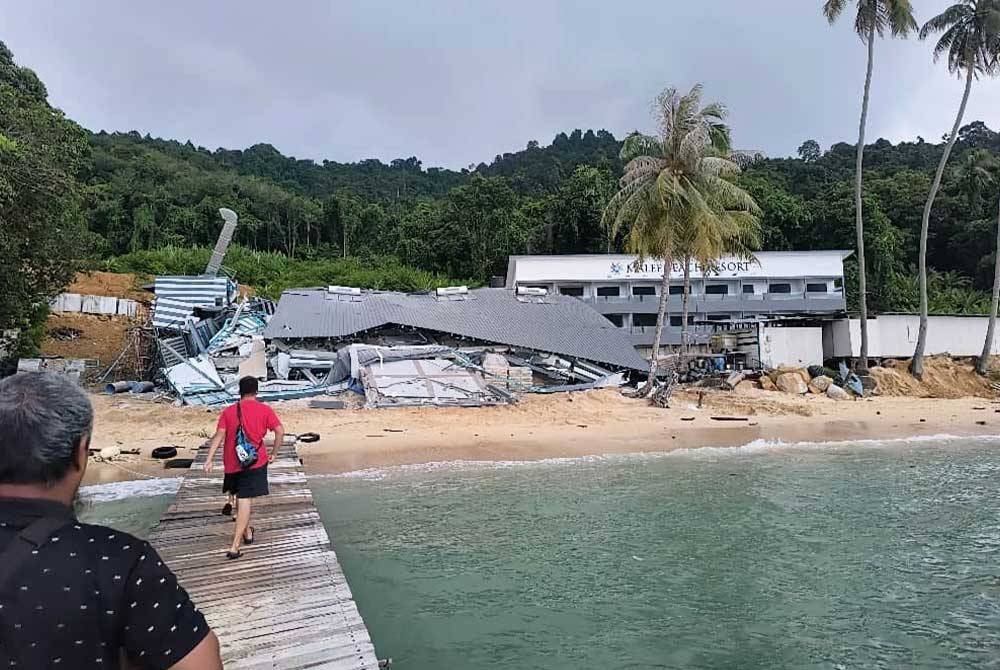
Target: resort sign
{"points": [[653, 269]]}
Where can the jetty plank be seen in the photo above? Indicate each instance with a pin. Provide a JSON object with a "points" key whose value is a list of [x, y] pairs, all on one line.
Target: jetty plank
{"points": [[286, 603]]}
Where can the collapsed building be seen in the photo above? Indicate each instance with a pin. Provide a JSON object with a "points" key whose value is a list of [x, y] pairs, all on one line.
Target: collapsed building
{"points": [[453, 346]]}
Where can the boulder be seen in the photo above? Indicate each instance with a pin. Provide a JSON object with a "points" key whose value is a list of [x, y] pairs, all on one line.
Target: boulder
{"points": [[747, 386], [767, 383], [820, 384], [792, 382], [802, 372], [837, 393]]}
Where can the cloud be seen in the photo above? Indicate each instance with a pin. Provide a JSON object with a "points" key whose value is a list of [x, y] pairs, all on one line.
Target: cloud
{"points": [[455, 83]]}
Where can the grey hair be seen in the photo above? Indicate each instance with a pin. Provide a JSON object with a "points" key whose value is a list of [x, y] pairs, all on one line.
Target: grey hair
{"points": [[43, 418]]}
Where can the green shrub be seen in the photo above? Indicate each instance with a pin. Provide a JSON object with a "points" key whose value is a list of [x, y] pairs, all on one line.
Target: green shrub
{"points": [[270, 273]]}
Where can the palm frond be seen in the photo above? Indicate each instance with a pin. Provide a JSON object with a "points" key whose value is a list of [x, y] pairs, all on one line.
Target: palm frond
{"points": [[832, 9], [720, 167], [901, 20], [637, 144]]}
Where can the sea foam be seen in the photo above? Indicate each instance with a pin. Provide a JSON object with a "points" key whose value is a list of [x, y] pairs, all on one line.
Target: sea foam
{"points": [[141, 488], [753, 448]]}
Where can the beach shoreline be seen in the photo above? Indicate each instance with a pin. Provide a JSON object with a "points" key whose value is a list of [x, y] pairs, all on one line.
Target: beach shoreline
{"points": [[591, 423]]}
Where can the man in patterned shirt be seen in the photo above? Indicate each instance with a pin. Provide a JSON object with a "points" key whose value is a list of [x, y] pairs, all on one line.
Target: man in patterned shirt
{"points": [[73, 595]]}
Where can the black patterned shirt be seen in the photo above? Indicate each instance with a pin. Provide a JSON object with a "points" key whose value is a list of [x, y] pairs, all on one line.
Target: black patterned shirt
{"points": [[88, 595]]}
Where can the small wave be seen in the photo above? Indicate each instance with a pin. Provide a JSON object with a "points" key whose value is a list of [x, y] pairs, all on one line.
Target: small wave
{"points": [[755, 447], [765, 446], [142, 488]]}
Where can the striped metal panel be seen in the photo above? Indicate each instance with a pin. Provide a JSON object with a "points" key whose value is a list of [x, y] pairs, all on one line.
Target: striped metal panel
{"points": [[178, 344], [172, 314], [176, 298]]}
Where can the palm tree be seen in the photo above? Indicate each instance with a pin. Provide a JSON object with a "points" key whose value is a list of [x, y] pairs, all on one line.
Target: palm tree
{"points": [[873, 17], [703, 240], [976, 175], [970, 37], [673, 181]]}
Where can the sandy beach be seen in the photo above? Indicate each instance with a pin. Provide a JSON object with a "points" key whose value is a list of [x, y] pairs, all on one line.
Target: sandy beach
{"points": [[538, 427]]}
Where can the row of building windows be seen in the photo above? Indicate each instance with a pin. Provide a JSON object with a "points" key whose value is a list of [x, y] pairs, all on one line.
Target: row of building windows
{"points": [[710, 289], [649, 320]]}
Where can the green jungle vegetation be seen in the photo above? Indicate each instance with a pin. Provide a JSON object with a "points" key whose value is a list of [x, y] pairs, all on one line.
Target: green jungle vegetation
{"points": [[72, 199]]}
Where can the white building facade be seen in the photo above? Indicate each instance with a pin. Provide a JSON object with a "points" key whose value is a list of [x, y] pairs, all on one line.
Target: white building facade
{"points": [[792, 284]]}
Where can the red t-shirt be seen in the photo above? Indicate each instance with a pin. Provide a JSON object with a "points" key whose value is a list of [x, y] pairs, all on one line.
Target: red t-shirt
{"points": [[258, 419]]}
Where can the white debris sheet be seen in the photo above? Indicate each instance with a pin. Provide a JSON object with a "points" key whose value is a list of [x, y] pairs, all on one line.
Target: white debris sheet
{"points": [[428, 382], [194, 375]]}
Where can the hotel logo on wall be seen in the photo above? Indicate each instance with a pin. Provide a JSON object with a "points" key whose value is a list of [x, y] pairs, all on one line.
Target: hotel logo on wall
{"points": [[653, 269]]}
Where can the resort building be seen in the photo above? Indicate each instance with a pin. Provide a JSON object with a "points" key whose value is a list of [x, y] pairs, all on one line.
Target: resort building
{"points": [[777, 285]]}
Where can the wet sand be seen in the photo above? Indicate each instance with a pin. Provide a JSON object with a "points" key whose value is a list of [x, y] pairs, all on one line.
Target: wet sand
{"points": [[539, 427]]}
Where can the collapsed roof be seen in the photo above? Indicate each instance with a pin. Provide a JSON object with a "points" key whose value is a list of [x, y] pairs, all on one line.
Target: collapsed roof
{"points": [[552, 323]]}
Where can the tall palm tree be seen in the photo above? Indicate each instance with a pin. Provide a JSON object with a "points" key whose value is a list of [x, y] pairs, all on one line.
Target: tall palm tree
{"points": [[671, 181], [977, 175], [970, 36], [874, 17]]}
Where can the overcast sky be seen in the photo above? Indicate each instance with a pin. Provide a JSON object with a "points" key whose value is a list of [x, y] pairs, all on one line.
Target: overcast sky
{"points": [[456, 82]]}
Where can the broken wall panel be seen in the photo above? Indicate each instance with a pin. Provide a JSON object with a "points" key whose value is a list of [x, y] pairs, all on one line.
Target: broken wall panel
{"points": [[436, 382]]}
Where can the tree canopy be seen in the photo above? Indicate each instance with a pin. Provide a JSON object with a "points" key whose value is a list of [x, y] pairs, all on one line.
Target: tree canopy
{"points": [[68, 195], [42, 232]]}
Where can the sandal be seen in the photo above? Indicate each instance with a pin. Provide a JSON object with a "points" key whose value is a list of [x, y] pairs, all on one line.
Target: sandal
{"points": [[249, 540], [232, 555], [227, 509]]}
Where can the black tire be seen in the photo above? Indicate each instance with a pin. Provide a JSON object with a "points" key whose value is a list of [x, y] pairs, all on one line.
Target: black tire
{"points": [[309, 437], [178, 463], [162, 453]]}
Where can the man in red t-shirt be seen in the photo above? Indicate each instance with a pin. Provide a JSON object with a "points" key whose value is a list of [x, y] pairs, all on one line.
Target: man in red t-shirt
{"points": [[257, 419]]}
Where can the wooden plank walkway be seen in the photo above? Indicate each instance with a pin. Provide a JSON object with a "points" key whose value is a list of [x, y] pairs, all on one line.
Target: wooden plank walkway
{"points": [[286, 603]]}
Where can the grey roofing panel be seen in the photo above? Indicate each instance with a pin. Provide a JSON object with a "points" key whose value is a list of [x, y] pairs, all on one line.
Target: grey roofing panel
{"points": [[558, 324]]}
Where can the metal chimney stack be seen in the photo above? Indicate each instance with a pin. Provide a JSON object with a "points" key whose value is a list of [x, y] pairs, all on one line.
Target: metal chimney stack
{"points": [[225, 237]]}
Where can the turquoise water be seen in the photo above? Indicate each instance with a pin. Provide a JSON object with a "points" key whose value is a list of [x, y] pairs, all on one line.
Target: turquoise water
{"points": [[827, 557], [133, 507]]}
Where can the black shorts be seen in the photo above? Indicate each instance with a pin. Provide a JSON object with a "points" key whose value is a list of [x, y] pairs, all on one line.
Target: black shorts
{"points": [[246, 484]]}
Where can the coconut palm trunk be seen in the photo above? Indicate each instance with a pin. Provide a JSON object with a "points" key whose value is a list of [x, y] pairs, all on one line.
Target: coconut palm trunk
{"points": [[917, 364], [685, 345], [859, 223], [984, 360], [661, 316]]}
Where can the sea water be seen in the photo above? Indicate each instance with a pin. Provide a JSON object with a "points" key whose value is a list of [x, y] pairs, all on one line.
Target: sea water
{"points": [[855, 555]]}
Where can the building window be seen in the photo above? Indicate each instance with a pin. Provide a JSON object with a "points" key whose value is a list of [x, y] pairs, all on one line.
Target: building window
{"points": [[676, 290], [717, 289], [643, 290], [779, 288], [617, 319], [718, 317], [676, 321], [644, 320], [748, 289], [608, 291], [816, 288], [572, 291]]}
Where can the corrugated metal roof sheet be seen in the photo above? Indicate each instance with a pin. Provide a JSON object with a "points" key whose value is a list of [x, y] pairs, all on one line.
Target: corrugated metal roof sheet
{"points": [[557, 324], [176, 298]]}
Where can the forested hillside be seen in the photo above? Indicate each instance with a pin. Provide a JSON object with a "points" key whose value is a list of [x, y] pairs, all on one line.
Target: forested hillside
{"points": [[144, 193], [133, 202]]}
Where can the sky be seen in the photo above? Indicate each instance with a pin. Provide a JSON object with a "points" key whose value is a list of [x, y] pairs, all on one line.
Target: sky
{"points": [[456, 82]]}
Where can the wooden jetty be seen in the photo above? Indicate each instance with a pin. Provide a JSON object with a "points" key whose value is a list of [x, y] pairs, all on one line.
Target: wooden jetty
{"points": [[286, 603]]}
